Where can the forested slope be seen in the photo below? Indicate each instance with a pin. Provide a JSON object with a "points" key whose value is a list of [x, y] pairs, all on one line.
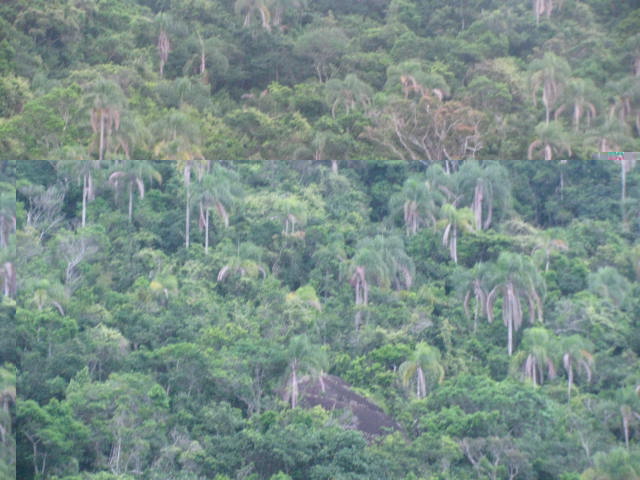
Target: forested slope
{"points": [[171, 317], [318, 79]]}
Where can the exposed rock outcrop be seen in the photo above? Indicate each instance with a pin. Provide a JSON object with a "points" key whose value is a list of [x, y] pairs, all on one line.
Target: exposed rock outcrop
{"points": [[333, 393]]}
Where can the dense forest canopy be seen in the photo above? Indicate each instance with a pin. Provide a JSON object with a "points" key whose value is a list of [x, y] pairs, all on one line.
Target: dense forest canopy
{"points": [[194, 320], [318, 79]]}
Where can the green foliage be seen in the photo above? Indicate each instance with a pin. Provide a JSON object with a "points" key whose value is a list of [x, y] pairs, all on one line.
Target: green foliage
{"points": [[136, 356]]}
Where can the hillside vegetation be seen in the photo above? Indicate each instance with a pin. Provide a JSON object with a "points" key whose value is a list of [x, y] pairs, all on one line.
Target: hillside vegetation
{"points": [[188, 320], [318, 79]]}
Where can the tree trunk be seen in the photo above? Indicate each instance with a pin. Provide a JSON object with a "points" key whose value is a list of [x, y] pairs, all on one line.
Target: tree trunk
{"points": [[625, 427], [206, 231], [570, 374], [546, 102], [85, 193], [186, 223], [130, 201], [294, 386], [422, 384], [623, 197], [454, 244], [187, 174], [477, 206], [359, 301], [100, 154], [334, 165], [510, 335]]}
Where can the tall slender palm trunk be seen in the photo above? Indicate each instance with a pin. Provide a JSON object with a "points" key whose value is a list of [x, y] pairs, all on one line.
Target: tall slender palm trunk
{"points": [[101, 153], [623, 178], [206, 231], [130, 201], [187, 219], [85, 194], [570, 381], [294, 385], [187, 182]]}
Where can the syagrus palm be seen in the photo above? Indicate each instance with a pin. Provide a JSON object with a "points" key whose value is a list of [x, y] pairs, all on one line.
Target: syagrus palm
{"points": [[133, 174], [424, 368], [516, 279]]}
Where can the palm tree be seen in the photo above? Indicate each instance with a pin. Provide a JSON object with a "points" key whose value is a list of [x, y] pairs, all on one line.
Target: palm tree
{"points": [[211, 54], [490, 185], [106, 102], [545, 244], [180, 140], [416, 81], [536, 357], [218, 190], [249, 8], [576, 357], [472, 285], [348, 93], [425, 365], [246, 261], [281, 6], [304, 360], [629, 401], [580, 95], [7, 212], [418, 202], [179, 136], [83, 170], [164, 22], [515, 278], [185, 166], [379, 261], [612, 135], [616, 464], [625, 96], [47, 294], [548, 73], [401, 267], [8, 269], [609, 284], [627, 163], [164, 285], [292, 211], [132, 174], [542, 7], [366, 266], [7, 397], [550, 139], [455, 221], [133, 133]]}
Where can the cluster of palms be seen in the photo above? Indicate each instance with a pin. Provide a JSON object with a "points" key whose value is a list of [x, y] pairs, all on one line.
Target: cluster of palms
{"points": [[542, 352], [119, 131], [457, 202], [515, 279], [216, 187], [269, 13], [380, 261], [605, 122]]}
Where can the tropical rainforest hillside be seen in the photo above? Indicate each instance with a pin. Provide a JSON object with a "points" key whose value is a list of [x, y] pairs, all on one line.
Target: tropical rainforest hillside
{"points": [[189, 320], [318, 79]]}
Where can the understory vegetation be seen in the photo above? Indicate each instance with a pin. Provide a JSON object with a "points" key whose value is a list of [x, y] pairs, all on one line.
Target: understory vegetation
{"points": [[172, 318], [318, 79]]}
